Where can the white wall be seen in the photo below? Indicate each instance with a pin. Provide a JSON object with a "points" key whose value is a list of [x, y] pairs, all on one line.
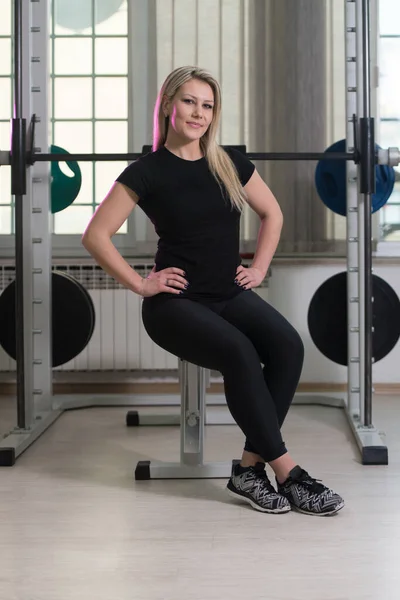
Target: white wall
{"points": [[291, 288]]}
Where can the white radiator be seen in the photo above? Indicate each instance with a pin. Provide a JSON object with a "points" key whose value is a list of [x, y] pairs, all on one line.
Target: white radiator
{"points": [[119, 341]]}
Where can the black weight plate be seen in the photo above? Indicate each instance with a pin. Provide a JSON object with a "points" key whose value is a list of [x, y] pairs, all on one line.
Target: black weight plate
{"points": [[73, 317], [327, 318], [7, 320], [89, 300]]}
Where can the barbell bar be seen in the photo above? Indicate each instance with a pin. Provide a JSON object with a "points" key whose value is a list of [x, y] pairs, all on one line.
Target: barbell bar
{"points": [[5, 157], [389, 156]]}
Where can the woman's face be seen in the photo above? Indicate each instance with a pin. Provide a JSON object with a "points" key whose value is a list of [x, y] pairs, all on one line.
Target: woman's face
{"points": [[191, 110]]}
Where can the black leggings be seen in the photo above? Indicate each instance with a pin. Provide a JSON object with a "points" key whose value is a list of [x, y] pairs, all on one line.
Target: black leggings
{"points": [[234, 337]]}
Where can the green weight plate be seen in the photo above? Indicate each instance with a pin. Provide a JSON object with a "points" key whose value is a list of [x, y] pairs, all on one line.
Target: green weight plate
{"points": [[64, 189]]}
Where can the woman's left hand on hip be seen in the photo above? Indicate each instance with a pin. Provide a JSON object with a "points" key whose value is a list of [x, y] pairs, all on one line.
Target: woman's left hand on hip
{"points": [[248, 277]]}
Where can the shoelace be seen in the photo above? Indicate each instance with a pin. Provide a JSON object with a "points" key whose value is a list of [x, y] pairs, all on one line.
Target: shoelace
{"points": [[261, 474], [314, 485]]}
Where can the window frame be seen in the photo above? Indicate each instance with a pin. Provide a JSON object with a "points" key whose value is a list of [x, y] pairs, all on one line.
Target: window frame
{"points": [[385, 246], [69, 245]]}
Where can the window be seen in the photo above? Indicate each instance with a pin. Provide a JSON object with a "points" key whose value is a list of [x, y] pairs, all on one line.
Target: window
{"points": [[389, 107], [88, 100], [89, 97]]}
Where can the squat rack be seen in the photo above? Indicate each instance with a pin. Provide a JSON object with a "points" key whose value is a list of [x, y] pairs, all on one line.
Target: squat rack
{"points": [[36, 408]]}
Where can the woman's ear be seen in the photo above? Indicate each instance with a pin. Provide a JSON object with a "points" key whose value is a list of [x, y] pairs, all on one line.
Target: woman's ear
{"points": [[165, 106]]}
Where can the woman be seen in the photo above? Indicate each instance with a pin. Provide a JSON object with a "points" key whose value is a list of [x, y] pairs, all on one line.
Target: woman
{"points": [[198, 301]]}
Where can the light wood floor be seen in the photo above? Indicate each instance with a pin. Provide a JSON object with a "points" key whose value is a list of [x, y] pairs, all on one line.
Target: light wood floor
{"points": [[74, 525]]}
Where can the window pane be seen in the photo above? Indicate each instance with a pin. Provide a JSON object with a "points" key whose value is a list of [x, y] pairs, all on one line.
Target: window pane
{"points": [[389, 134], [389, 95], [389, 17], [73, 17], [5, 21], [73, 98], [5, 185], [394, 198], [111, 98], [391, 214], [111, 17], [5, 135], [50, 105], [5, 98], [389, 56], [72, 57], [85, 195], [111, 56], [111, 137], [123, 228], [73, 219], [74, 137], [5, 220], [106, 174], [50, 53], [5, 57]]}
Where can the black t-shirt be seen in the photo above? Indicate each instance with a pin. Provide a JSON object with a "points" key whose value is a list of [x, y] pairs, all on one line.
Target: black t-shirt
{"points": [[197, 226]]}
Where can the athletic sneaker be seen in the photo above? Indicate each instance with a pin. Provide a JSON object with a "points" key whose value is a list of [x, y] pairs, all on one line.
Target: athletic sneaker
{"points": [[252, 485], [308, 495]]}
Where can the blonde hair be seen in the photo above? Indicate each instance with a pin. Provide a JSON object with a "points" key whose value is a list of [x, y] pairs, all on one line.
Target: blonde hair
{"points": [[220, 164]]}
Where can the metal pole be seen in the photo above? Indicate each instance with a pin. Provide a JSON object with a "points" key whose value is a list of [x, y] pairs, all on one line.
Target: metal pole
{"points": [[290, 156], [18, 59], [366, 57], [19, 189], [367, 188]]}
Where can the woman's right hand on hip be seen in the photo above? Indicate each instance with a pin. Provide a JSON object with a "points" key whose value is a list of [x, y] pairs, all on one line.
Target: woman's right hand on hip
{"points": [[171, 280]]}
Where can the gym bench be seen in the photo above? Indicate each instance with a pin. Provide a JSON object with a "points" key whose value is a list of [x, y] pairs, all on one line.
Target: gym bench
{"points": [[194, 381]]}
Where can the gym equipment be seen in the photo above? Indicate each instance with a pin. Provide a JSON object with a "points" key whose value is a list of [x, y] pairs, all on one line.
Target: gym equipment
{"points": [[330, 181], [64, 189], [37, 409], [73, 318], [193, 381], [327, 318], [77, 15], [239, 147]]}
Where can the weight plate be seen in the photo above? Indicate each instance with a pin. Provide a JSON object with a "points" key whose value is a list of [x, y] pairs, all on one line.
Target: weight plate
{"points": [[331, 182], [90, 304], [64, 188], [73, 318], [327, 318]]}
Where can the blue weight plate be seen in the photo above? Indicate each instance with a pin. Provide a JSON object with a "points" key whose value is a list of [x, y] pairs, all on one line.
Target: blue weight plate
{"points": [[330, 181]]}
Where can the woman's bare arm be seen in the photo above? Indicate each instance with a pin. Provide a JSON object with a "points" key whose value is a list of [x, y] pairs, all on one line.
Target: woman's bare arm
{"points": [[106, 221], [264, 203]]}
